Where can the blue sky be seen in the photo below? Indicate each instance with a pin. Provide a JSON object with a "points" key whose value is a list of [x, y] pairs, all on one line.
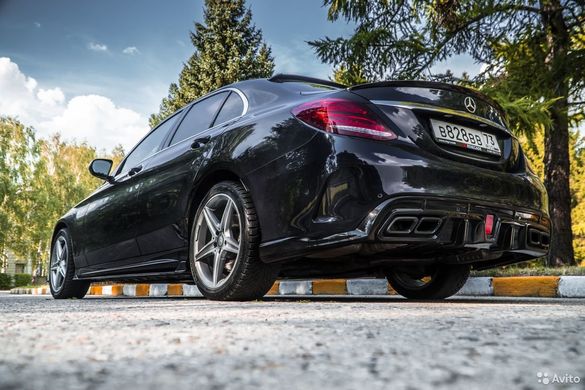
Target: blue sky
{"points": [[118, 57]]}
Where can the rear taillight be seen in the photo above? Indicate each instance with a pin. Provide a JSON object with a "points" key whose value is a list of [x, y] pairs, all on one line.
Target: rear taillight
{"points": [[340, 116]]}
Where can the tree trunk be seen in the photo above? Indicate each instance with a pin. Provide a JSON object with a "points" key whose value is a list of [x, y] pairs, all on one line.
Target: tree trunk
{"points": [[556, 142], [556, 159]]}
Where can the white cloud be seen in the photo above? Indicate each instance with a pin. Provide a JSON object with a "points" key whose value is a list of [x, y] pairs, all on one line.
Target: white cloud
{"points": [[37, 25], [51, 97], [95, 46], [131, 50], [92, 118], [99, 121]]}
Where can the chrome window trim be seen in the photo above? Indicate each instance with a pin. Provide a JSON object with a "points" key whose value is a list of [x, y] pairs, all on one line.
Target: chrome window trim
{"points": [[244, 99], [244, 112], [449, 111], [240, 94]]}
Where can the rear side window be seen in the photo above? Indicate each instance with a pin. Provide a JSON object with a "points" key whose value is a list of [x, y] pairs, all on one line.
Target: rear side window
{"points": [[199, 117], [149, 145], [232, 108]]}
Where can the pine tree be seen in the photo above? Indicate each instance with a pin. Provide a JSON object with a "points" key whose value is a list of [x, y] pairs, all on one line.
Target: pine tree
{"points": [[228, 48]]}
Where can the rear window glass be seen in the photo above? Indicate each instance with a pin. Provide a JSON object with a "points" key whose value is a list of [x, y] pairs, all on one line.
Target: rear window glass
{"points": [[232, 108]]}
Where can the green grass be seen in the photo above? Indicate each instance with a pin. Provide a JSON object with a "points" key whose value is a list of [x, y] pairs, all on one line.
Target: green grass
{"points": [[514, 270]]}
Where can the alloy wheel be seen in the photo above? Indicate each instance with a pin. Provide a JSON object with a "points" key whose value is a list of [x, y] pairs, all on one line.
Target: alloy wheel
{"points": [[59, 263], [217, 240]]}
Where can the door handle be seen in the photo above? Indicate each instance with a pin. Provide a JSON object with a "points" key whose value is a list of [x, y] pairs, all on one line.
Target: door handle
{"points": [[134, 170], [199, 142]]}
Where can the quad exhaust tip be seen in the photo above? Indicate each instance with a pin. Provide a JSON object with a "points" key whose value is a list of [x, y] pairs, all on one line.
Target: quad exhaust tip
{"points": [[410, 224], [538, 238], [428, 225]]}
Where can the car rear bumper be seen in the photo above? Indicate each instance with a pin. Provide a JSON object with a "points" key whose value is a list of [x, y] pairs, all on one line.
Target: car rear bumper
{"points": [[456, 230], [431, 228], [334, 185]]}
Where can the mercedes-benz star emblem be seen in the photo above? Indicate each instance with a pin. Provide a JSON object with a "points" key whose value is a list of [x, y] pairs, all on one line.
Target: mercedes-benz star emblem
{"points": [[470, 104]]}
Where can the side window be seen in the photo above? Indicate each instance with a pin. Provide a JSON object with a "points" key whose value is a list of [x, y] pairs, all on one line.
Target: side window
{"points": [[232, 108], [150, 144], [199, 117]]}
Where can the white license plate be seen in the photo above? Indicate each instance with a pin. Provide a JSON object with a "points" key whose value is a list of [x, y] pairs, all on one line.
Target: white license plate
{"points": [[465, 137]]}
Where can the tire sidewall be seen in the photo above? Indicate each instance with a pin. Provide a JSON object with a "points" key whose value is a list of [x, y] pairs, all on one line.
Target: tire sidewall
{"points": [[70, 265], [446, 282], [245, 242]]}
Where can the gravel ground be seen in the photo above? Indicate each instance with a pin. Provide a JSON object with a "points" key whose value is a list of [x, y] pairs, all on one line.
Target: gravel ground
{"points": [[385, 343]]}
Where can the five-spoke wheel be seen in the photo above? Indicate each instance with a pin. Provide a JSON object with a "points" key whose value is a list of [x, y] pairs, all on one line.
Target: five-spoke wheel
{"points": [[59, 263], [217, 240], [224, 246], [62, 269]]}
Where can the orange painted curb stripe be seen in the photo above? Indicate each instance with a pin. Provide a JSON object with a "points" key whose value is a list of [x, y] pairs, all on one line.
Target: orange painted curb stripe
{"points": [[526, 286], [274, 290], [95, 290], [142, 290], [329, 287], [175, 289], [117, 290]]}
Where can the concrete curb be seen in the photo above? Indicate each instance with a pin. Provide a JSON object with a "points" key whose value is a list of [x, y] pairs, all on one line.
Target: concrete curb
{"points": [[516, 286]]}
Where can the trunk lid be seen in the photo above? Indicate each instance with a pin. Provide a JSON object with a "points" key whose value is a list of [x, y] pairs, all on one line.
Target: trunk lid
{"points": [[419, 108]]}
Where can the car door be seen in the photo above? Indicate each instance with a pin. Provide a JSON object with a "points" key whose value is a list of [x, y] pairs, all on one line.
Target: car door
{"points": [[168, 179], [112, 216]]}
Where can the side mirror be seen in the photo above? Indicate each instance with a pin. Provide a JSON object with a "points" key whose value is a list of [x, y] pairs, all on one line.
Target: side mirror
{"points": [[100, 168]]}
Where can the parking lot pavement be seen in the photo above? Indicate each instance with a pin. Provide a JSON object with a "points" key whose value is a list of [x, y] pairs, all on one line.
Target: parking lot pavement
{"points": [[284, 343]]}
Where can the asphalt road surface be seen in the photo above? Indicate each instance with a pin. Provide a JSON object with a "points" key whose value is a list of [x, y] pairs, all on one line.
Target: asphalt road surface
{"points": [[326, 343]]}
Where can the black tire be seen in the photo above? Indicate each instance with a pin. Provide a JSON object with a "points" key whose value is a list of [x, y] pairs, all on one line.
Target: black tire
{"points": [[445, 281], [250, 278], [69, 288]]}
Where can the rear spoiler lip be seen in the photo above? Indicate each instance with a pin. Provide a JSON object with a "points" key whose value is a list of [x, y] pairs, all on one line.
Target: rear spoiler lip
{"points": [[284, 77], [428, 84]]}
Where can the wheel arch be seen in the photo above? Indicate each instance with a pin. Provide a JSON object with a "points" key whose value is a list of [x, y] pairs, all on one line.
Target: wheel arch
{"points": [[205, 183], [61, 224]]}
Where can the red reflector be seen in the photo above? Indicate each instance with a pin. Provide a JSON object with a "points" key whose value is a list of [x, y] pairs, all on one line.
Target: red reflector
{"points": [[489, 224], [340, 116]]}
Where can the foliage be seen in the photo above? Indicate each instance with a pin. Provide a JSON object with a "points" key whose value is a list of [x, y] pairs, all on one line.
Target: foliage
{"points": [[530, 270], [22, 280], [533, 147], [5, 282], [403, 39], [349, 75], [41, 180], [17, 151], [228, 48]]}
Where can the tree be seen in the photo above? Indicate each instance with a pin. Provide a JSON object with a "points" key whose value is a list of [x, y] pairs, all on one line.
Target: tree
{"points": [[404, 39], [228, 48], [60, 179], [349, 76], [533, 147], [39, 181], [17, 151]]}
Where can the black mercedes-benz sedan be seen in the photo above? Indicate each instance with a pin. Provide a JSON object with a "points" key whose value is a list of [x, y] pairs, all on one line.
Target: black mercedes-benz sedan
{"points": [[295, 177]]}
